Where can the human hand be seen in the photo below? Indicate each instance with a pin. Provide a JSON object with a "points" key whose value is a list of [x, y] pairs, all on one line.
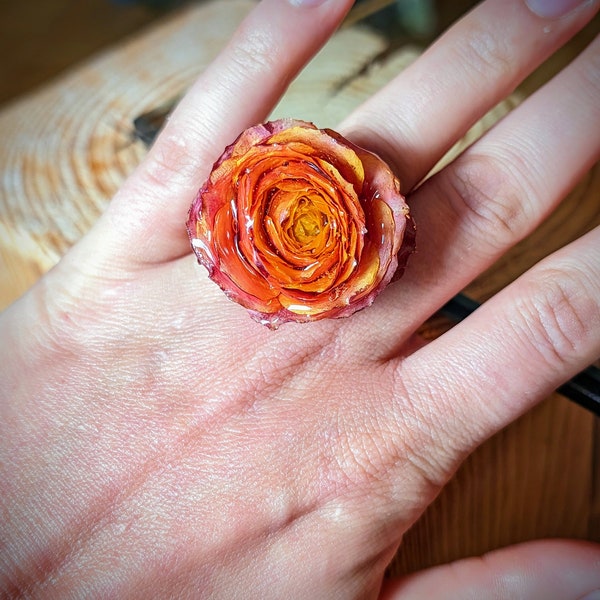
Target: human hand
{"points": [[157, 441]]}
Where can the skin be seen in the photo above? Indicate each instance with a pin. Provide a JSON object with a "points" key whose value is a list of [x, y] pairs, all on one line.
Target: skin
{"points": [[155, 441]]}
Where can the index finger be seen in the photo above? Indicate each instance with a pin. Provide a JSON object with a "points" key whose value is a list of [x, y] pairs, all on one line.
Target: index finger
{"points": [[237, 90]]}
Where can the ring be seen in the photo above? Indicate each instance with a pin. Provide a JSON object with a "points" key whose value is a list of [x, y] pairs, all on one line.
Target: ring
{"points": [[297, 223]]}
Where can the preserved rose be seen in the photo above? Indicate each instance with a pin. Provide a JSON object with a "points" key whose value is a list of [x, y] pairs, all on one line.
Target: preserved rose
{"points": [[298, 224]]}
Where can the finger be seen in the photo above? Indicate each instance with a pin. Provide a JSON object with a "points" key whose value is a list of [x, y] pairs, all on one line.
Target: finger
{"points": [[550, 569], [507, 356], [239, 89], [493, 195], [416, 118]]}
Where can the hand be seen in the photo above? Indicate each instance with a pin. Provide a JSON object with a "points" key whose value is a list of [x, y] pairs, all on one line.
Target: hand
{"points": [[156, 441]]}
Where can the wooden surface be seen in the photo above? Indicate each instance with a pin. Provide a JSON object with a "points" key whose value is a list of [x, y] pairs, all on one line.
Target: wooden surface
{"points": [[68, 147], [41, 38]]}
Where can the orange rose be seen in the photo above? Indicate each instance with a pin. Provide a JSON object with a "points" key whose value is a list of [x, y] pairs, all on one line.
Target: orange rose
{"points": [[298, 224]]}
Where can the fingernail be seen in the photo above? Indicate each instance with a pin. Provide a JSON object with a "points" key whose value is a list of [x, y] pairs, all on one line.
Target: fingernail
{"points": [[306, 3], [595, 595], [552, 9]]}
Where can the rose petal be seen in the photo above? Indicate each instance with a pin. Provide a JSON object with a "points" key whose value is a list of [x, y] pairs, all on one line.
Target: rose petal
{"points": [[299, 224]]}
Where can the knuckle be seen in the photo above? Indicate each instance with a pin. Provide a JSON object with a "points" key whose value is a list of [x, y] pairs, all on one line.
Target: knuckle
{"points": [[255, 54], [169, 163], [410, 438], [485, 196], [359, 456], [485, 53], [365, 448], [559, 316], [427, 449]]}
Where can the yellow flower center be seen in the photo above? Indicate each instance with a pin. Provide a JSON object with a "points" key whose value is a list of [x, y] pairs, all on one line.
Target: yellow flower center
{"points": [[308, 221]]}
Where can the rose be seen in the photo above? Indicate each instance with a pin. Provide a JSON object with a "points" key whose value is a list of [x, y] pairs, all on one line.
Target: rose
{"points": [[298, 224]]}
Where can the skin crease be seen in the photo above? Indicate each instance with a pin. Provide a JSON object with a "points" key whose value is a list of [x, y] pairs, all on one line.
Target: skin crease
{"points": [[155, 441]]}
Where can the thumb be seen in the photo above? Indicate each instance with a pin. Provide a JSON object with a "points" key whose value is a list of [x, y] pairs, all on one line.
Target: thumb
{"points": [[549, 569]]}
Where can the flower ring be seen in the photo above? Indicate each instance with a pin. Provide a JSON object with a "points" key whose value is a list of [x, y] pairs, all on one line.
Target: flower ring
{"points": [[296, 223]]}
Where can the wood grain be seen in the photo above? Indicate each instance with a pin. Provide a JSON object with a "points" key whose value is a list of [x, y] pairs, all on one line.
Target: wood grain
{"points": [[39, 39], [68, 147], [531, 480]]}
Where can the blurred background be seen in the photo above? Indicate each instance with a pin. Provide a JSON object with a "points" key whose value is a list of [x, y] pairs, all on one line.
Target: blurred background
{"points": [[40, 38]]}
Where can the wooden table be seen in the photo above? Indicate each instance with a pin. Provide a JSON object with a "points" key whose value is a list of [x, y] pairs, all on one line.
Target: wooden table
{"points": [[68, 147]]}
